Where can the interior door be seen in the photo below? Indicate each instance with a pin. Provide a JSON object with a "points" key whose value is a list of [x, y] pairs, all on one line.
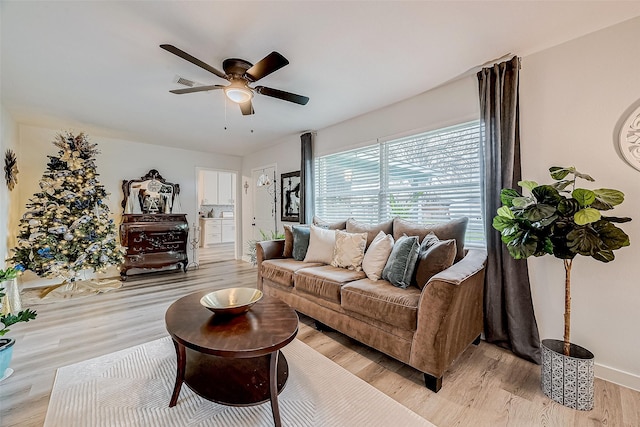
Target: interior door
{"points": [[265, 206]]}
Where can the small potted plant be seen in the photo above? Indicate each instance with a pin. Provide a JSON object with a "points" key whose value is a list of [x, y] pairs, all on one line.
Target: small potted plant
{"points": [[8, 318], [563, 221]]}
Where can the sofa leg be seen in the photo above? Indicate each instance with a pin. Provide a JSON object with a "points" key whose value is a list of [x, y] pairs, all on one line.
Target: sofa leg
{"points": [[433, 383], [477, 340], [322, 327]]}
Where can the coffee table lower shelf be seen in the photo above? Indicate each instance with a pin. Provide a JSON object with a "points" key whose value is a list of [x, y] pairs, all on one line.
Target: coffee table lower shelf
{"points": [[234, 382]]}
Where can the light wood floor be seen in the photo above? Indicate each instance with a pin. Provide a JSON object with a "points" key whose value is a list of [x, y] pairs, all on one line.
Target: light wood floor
{"points": [[488, 386]]}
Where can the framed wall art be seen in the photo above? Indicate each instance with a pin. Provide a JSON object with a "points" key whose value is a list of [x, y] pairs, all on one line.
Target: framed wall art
{"points": [[629, 139], [291, 191]]}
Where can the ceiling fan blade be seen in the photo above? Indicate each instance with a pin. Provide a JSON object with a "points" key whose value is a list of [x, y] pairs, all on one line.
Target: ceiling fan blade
{"points": [[196, 89], [280, 94], [247, 108], [267, 65], [184, 55]]}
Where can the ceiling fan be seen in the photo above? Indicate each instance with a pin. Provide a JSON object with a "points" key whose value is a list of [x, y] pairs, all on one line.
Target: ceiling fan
{"points": [[240, 73]]}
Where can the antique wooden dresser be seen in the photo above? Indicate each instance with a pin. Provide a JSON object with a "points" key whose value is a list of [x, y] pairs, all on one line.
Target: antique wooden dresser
{"points": [[154, 237]]}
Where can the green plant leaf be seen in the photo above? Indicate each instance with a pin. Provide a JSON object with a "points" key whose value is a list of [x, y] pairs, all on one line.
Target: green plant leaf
{"points": [[583, 196], [584, 241], [583, 175], [545, 222], [568, 207], [604, 256], [561, 185], [522, 202], [547, 194], [608, 196], [529, 185], [507, 195], [559, 173], [504, 211], [616, 219], [522, 247], [612, 237], [501, 222], [586, 216], [538, 212]]}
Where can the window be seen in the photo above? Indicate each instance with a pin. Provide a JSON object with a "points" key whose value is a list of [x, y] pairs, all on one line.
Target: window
{"points": [[427, 178]]}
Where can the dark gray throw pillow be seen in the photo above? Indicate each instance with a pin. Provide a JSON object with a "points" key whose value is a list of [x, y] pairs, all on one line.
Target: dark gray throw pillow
{"points": [[300, 241], [402, 261]]}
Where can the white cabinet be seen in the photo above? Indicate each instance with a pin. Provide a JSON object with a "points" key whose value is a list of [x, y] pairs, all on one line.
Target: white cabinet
{"points": [[217, 230], [226, 189], [210, 184], [219, 188], [228, 230], [210, 231]]}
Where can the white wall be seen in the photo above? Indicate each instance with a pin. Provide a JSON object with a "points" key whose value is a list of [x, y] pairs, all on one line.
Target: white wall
{"points": [[572, 99], [119, 160]]}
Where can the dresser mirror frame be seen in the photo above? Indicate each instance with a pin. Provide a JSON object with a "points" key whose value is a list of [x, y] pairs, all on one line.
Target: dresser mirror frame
{"points": [[151, 194]]}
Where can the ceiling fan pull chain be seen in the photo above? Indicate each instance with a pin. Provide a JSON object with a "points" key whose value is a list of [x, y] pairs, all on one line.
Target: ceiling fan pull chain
{"points": [[225, 113]]}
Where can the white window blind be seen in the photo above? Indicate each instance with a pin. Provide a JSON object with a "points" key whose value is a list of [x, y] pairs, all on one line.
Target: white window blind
{"points": [[428, 178]]}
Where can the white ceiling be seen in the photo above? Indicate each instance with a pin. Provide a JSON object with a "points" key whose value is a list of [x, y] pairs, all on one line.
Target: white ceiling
{"points": [[96, 66]]}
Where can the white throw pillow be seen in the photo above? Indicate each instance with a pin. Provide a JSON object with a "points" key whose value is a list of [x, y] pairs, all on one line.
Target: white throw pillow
{"points": [[377, 255], [321, 245], [349, 250]]}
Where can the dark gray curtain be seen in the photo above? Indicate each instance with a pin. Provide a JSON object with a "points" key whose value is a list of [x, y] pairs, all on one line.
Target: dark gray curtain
{"points": [[306, 178], [508, 309]]}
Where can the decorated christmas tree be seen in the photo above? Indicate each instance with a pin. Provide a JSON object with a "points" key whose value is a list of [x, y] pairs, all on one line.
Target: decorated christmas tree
{"points": [[67, 228]]}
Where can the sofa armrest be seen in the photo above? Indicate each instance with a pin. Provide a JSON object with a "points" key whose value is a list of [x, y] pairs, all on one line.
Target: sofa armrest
{"points": [[449, 314], [267, 249]]}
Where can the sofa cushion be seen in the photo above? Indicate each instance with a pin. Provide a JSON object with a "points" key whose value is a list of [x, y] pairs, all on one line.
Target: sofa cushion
{"points": [[281, 270], [288, 242], [454, 229], [435, 256], [301, 235], [339, 225], [381, 300], [372, 230], [322, 242], [349, 250], [377, 255], [402, 262], [325, 281]]}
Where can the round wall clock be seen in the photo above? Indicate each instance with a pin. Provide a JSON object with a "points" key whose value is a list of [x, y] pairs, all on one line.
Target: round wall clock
{"points": [[10, 169], [629, 139]]}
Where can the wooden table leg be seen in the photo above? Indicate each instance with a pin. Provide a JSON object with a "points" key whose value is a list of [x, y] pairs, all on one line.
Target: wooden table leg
{"points": [[273, 387], [180, 365]]}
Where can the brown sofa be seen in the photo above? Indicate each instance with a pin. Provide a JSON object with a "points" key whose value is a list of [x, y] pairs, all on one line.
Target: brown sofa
{"points": [[426, 329]]}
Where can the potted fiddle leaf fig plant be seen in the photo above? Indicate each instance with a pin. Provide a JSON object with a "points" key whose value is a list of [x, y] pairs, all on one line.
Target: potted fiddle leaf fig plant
{"points": [[564, 221], [11, 313]]}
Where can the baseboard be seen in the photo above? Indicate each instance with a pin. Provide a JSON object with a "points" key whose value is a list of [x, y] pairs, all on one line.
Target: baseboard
{"points": [[617, 376]]}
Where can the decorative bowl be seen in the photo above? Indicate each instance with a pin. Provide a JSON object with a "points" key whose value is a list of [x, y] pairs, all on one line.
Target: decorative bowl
{"points": [[231, 301]]}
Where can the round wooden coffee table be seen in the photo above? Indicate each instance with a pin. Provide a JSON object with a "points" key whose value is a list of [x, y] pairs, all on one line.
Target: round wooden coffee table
{"points": [[232, 360]]}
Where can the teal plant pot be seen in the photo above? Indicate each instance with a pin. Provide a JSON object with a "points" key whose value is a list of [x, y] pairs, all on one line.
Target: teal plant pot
{"points": [[6, 351]]}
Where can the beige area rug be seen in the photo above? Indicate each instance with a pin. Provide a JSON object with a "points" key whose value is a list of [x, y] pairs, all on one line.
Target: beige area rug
{"points": [[133, 387], [55, 293]]}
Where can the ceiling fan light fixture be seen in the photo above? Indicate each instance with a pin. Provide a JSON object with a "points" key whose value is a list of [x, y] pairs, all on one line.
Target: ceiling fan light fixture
{"points": [[238, 95]]}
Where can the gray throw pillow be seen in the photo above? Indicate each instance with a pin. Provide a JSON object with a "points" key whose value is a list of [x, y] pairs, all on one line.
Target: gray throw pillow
{"points": [[300, 241], [402, 261]]}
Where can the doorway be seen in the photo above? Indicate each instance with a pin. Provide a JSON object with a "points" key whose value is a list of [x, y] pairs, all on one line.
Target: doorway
{"points": [[265, 202], [216, 205]]}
